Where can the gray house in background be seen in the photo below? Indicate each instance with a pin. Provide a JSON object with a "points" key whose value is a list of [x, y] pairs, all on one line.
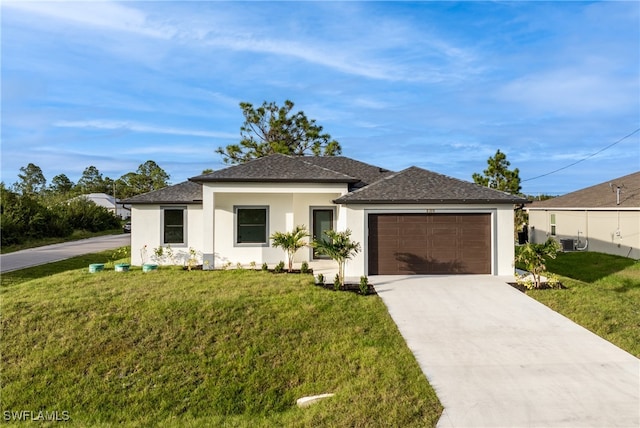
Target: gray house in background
{"points": [[109, 202], [603, 218]]}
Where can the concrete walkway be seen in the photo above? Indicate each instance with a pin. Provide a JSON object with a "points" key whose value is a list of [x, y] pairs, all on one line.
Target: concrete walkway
{"points": [[54, 253], [498, 358]]}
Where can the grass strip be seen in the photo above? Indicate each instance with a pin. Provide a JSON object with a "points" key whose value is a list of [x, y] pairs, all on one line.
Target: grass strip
{"points": [[602, 295]]}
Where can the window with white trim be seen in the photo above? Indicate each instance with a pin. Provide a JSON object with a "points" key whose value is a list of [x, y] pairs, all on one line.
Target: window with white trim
{"points": [[252, 225], [553, 225], [173, 225]]}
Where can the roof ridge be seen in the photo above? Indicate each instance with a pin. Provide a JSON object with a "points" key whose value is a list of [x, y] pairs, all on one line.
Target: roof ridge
{"points": [[325, 168]]}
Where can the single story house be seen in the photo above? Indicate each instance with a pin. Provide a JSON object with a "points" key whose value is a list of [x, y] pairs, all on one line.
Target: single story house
{"points": [[409, 222], [603, 218], [109, 202]]}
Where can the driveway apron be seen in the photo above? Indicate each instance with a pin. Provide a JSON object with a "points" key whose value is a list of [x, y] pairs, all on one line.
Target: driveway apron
{"points": [[498, 358]]}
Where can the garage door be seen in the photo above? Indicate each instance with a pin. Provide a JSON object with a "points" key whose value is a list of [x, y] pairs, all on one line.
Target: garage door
{"points": [[401, 244]]}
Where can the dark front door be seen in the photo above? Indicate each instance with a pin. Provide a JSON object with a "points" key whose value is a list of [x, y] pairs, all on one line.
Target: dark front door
{"points": [[322, 221]]}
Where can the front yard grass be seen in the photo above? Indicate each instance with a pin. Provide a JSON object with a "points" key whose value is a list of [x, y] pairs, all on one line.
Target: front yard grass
{"points": [[602, 295], [226, 348]]}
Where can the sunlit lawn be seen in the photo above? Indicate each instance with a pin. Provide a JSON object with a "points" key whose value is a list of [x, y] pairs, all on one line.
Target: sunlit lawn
{"points": [[603, 295], [233, 348]]}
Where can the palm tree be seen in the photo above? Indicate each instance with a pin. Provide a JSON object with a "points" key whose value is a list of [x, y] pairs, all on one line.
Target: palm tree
{"points": [[339, 247], [290, 242]]}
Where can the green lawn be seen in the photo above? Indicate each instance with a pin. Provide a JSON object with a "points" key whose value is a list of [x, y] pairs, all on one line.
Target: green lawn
{"points": [[603, 295], [177, 348]]}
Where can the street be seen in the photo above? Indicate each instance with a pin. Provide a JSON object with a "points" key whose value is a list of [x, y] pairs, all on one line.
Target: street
{"points": [[53, 253]]}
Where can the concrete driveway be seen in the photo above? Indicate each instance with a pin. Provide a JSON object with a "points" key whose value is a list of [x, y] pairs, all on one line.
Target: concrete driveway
{"points": [[498, 358], [54, 253]]}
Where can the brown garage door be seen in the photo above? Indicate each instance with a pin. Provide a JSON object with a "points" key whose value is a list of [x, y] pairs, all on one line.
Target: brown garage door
{"points": [[429, 243]]}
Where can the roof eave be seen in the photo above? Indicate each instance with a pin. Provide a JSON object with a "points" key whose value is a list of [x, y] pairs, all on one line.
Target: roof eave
{"points": [[168, 202], [429, 201]]}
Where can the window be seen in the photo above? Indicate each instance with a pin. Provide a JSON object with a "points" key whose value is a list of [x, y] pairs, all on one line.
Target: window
{"points": [[553, 225], [251, 225], [173, 225]]}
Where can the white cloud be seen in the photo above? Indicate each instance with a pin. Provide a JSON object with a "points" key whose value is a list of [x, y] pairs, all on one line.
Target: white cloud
{"points": [[138, 127], [102, 15], [579, 90]]}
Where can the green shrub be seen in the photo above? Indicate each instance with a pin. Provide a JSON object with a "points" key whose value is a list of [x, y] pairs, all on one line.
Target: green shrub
{"points": [[265, 266], [279, 267], [320, 279], [304, 268], [337, 282], [364, 285]]}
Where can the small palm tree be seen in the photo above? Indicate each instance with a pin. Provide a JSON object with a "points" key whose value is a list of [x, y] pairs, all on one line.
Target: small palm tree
{"points": [[290, 242], [339, 247], [534, 257]]}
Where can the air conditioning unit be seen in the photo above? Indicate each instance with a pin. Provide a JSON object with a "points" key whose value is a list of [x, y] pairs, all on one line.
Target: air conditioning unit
{"points": [[567, 244]]}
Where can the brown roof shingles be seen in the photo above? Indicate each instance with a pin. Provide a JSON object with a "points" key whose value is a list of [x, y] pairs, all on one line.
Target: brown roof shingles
{"points": [[367, 183], [186, 192], [418, 186], [603, 195], [277, 168]]}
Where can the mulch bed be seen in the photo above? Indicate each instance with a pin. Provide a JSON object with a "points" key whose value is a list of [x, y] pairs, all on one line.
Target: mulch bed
{"points": [[353, 287], [543, 286]]}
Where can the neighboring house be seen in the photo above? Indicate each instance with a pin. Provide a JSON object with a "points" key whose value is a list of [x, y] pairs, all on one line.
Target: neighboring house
{"points": [[408, 222], [108, 202], [603, 218]]}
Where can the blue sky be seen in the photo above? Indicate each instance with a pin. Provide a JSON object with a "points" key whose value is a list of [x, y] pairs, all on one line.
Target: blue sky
{"points": [[440, 85]]}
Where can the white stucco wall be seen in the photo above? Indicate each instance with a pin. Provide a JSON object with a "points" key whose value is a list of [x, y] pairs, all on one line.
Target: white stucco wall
{"points": [[146, 230], [607, 231], [355, 218], [289, 205]]}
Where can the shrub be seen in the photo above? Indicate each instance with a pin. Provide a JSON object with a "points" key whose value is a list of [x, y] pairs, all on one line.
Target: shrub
{"points": [[304, 268], [364, 285], [279, 267], [320, 278], [337, 282], [265, 266]]}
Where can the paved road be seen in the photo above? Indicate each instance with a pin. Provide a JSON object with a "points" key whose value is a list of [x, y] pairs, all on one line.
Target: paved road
{"points": [[498, 358], [53, 253]]}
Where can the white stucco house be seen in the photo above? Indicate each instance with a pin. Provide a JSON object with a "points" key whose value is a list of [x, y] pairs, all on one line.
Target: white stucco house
{"points": [[604, 218], [408, 222]]}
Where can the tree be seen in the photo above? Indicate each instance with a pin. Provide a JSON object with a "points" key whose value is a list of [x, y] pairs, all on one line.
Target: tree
{"points": [[148, 177], [271, 129], [499, 176], [339, 247], [32, 180], [290, 242], [61, 184], [91, 181], [151, 177]]}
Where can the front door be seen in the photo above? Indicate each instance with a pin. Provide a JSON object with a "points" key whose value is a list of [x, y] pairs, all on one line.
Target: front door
{"points": [[322, 221]]}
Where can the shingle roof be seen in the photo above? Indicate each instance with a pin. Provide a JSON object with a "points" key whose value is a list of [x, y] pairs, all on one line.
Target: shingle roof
{"points": [[277, 168], [366, 173], [418, 186], [603, 195], [186, 192]]}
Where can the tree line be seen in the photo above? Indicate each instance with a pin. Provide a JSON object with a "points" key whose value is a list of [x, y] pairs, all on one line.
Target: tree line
{"points": [[148, 177], [31, 209]]}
